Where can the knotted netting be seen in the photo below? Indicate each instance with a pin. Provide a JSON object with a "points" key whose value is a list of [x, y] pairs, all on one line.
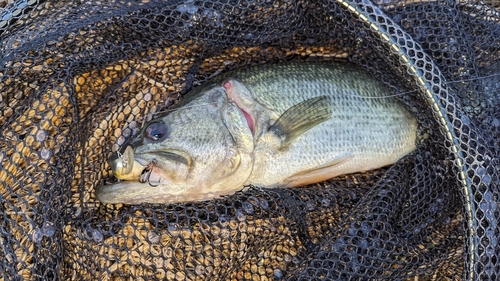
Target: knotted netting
{"points": [[79, 78]]}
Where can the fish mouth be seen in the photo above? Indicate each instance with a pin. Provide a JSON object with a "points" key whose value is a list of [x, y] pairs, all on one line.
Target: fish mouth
{"points": [[174, 155], [161, 166], [132, 193], [132, 167], [127, 192]]}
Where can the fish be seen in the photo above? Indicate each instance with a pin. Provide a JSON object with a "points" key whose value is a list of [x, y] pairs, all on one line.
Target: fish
{"points": [[283, 124]]}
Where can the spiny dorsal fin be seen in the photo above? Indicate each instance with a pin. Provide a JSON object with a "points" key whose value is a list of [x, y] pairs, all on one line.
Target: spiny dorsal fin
{"points": [[300, 118]]}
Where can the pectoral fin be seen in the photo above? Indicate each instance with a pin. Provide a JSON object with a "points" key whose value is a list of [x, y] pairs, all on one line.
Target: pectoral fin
{"points": [[318, 174], [300, 118]]}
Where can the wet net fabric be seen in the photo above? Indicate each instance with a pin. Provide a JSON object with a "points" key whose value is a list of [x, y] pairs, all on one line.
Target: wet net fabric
{"points": [[78, 78]]}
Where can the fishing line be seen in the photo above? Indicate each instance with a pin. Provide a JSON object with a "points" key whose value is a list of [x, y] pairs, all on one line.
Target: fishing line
{"points": [[414, 91], [143, 119]]}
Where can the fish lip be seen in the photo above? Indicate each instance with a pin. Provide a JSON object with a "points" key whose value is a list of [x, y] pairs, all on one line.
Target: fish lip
{"points": [[176, 155], [120, 193], [134, 193], [142, 161]]}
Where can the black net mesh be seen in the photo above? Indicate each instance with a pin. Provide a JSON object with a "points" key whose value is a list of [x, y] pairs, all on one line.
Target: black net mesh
{"points": [[78, 78]]}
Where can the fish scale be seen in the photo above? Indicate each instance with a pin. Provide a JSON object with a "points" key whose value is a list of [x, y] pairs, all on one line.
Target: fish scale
{"points": [[375, 128], [286, 125]]}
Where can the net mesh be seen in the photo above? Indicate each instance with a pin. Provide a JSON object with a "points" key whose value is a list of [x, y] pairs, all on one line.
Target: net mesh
{"points": [[78, 78]]}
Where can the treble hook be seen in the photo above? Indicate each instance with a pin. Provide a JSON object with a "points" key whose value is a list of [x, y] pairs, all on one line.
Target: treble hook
{"points": [[149, 170], [151, 183]]}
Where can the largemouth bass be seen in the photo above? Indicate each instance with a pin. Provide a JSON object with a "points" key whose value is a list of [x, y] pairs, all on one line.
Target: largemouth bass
{"points": [[277, 125]]}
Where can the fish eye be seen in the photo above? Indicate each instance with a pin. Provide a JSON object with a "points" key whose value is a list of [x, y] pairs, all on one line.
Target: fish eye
{"points": [[156, 132]]}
